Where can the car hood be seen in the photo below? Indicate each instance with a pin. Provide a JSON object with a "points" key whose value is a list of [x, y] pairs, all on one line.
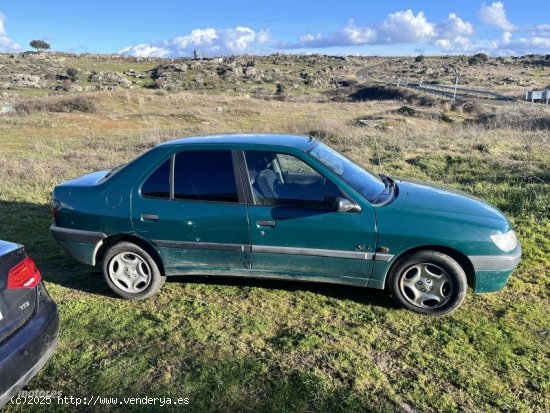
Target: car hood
{"points": [[447, 204]]}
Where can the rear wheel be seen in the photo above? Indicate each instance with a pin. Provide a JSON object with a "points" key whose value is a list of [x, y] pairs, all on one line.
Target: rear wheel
{"points": [[131, 272], [428, 282]]}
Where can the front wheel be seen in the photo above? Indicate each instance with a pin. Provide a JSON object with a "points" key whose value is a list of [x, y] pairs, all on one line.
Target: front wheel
{"points": [[428, 282], [131, 272]]}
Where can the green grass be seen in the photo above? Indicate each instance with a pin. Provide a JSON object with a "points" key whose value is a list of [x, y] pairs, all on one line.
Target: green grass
{"points": [[249, 345]]}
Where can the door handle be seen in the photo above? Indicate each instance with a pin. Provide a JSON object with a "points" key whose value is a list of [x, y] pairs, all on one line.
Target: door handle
{"points": [[265, 223], [149, 217]]}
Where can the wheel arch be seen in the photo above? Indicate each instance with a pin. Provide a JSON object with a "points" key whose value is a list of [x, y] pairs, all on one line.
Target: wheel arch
{"points": [[458, 256], [141, 242]]}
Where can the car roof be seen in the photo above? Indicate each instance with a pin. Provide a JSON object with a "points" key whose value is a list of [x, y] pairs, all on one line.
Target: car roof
{"points": [[246, 139]]}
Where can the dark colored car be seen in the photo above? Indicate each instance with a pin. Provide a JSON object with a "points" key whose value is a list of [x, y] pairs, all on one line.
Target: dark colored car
{"points": [[29, 321], [279, 206]]}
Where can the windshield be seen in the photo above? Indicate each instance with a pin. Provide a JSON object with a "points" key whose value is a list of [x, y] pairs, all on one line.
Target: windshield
{"points": [[364, 182]]}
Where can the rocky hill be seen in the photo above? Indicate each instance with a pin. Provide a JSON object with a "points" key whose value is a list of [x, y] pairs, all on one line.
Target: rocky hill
{"points": [[30, 73]]}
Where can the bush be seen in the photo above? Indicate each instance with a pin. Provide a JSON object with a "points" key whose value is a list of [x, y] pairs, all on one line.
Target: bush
{"points": [[419, 58], [281, 89], [72, 73], [477, 59], [482, 56], [393, 93], [56, 104]]}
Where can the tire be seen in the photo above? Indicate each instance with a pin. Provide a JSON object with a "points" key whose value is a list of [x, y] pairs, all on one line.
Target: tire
{"points": [[131, 272], [428, 282]]}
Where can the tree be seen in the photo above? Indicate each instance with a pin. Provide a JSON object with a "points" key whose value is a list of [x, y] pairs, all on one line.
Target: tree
{"points": [[39, 45], [481, 57], [419, 58]]}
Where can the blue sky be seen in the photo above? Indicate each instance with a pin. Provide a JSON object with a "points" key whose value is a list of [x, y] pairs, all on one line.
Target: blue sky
{"points": [[176, 28]]}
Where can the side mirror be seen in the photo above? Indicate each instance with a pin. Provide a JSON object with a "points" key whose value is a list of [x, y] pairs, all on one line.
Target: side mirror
{"points": [[345, 205]]}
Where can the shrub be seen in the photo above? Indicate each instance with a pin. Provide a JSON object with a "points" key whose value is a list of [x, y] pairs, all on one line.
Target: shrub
{"points": [[281, 89], [419, 58], [482, 56], [56, 104], [477, 59], [72, 73], [393, 93]]}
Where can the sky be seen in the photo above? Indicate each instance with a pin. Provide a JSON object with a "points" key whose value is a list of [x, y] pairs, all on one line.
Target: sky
{"points": [[232, 27]]}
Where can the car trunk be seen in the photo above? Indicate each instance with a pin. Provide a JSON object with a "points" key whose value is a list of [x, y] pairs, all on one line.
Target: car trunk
{"points": [[17, 305]]}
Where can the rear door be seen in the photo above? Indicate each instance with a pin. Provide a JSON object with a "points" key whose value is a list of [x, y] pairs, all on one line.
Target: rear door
{"points": [[16, 305], [192, 208]]}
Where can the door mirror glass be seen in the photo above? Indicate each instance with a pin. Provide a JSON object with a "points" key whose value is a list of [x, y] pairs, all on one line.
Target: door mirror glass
{"points": [[345, 205]]}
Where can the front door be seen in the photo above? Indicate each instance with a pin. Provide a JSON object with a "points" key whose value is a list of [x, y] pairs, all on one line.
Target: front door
{"points": [[190, 209], [294, 228]]}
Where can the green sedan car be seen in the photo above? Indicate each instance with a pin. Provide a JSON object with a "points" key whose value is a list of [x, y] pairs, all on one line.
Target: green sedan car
{"points": [[285, 207]]}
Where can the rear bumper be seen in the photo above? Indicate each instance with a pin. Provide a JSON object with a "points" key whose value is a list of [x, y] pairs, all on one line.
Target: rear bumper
{"points": [[79, 244], [492, 271], [27, 350]]}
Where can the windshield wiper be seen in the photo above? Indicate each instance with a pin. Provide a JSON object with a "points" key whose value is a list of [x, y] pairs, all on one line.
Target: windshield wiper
{"points": [[389, 186]]}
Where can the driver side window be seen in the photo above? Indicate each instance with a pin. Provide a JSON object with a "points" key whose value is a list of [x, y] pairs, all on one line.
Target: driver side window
{"points": [[283, 179]]}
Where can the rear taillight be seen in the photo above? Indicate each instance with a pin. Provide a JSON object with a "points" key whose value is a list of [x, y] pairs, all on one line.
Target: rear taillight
{"points": [[55, 207], [24, 275]]}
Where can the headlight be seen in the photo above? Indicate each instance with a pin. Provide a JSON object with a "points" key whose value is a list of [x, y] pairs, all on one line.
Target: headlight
{"points": [[506, 242]]}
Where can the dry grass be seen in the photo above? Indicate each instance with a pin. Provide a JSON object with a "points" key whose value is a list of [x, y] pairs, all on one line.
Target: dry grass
{"points": [[61, 104], [246, 346]]}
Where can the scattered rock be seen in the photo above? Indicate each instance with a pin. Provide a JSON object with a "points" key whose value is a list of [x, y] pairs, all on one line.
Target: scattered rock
{"points": [[110, 80]]}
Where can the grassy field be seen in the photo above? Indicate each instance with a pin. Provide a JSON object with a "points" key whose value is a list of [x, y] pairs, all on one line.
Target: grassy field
{"points": [[247, 345]]}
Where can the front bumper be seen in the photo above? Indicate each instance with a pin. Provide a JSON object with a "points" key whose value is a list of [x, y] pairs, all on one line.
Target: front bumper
{"points": [[492, 271], [28, 349]]}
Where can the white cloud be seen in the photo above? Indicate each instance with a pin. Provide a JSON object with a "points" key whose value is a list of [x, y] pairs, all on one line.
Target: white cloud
{"points": [[495, 15], [455, 44], [405, 27], [145, 50], [523, 41], [209, 42], [454, 26], [533, 44], [6, 44], [399, 27], [453, 34], [348, 36]]}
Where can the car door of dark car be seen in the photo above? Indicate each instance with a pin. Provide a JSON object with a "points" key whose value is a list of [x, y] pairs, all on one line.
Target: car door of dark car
{"points": [[295, 230], [191, 208]]}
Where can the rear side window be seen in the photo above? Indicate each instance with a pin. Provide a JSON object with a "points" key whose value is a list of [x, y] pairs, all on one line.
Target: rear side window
{"points": [[158, 183], [205, 176]]}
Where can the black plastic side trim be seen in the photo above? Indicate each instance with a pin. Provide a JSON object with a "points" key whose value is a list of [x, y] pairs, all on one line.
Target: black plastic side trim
{"points": [[317, 252], [76, 235]]}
